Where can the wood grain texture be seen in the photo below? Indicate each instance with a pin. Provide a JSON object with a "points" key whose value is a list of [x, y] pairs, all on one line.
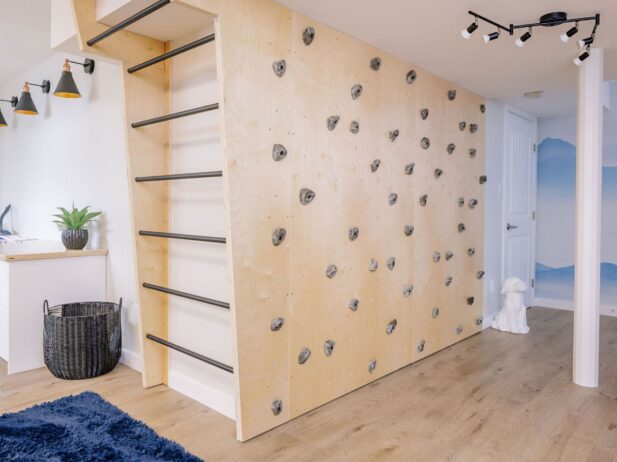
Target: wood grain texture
{"points": [[495, 396], [41, 250]]}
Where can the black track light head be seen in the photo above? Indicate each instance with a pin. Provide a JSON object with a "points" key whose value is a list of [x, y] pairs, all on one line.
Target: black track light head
{"points": [[583, 43], [466, 33], [565, 37], [579, 60], [490, 37], [520, 42]]}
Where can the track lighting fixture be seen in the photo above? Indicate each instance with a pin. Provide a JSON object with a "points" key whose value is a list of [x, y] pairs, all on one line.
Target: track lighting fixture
{"points": [[585, 42], [579, 60], [26, 104], [565, 37], [66, 85], [490, 37], [466, 33], [13, 102], [520, 42]]}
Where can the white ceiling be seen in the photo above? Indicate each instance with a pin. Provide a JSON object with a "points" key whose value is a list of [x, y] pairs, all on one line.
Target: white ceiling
{"points": [[427, 33]]}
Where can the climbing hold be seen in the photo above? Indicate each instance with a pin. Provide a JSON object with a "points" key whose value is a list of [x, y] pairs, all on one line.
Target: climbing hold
{"points": [[371, 366], [331, 271], [333, 122], [425, 143], [409, 168], [482, 108], [376, 63], [462, 125], [436, 257], [470, 300], [473, 203], [279, 152], [328, 347], [424, 113], [473, 128], [472, 152], [390, 263], [375, 165], [459, 329], [308, 35], [279, 67], [471, 251], [278, 236], [435, 312], [483, 179], [356, 91], [451, 95], [392, 198], [479, 321], [408, 230], [411, 76], [461, 227], [408, 290], [451, 147], [304, 355], [393, 135], [461, 201], [391, 326], [276, 324], [480, 274], [438, 173], [449, 255], [277, 406], [372, 266], [306, 196], [353, 233], [421, 346], [424, 200], [448, 281], [354, 127], [354, 304]]}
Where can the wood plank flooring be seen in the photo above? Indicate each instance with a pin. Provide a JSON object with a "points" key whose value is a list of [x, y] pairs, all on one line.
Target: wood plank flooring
{"points": [[493, 397]]}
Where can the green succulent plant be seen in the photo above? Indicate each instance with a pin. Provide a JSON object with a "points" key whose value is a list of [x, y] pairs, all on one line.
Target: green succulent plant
{"points": [[74, 219]]}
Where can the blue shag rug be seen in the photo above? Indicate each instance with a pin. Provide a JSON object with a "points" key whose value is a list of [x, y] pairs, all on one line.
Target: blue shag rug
{"points": [[82, 428]]}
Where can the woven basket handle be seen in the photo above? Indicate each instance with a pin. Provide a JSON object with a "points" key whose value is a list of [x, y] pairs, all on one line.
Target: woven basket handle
{"points": [[120, 304], [45, 307]]}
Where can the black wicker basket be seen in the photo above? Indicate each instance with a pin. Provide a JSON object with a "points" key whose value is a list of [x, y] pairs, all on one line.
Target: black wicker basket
{"points": [[82, 340]]}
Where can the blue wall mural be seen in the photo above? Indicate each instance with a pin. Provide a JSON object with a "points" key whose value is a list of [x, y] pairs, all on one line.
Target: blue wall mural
{"points": [[556, 209]]}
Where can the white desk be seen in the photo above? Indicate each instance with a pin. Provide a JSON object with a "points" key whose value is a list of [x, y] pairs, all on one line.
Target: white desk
{"points": [[31, 272]]}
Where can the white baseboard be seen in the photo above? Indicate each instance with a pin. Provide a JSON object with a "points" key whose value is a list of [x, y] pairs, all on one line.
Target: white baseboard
{"points": [[131, 359], [209, 396], [568, 305]]}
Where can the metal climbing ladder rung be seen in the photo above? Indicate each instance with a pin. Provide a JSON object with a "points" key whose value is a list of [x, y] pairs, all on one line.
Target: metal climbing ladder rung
{"points": [[186, 237], [178, 293], [176, 115], [179, 176], [192, 354]]}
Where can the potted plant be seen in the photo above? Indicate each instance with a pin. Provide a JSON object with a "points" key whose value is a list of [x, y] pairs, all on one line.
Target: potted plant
{"points": [[73, 225]]}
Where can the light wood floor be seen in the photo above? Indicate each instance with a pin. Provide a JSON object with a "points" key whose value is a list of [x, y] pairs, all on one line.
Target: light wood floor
{"points": [[493, 397]]}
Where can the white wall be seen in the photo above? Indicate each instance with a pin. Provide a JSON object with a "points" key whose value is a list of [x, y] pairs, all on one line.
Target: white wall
{"points": [[74, 150]]}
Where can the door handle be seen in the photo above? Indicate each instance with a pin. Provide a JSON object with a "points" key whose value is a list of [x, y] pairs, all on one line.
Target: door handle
{"points": [[509, 227]]}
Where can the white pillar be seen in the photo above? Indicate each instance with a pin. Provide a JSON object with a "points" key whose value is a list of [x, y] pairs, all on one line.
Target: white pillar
{"points": [[588, 212]]}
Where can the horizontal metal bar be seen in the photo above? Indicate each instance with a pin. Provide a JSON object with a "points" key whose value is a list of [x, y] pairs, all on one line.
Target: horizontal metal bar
{"points": [[171, 54], [556, 23], [176, 115], [490, 21], [128, 21], [179, 176], [205, 359], [178, 293], [186, 237]]}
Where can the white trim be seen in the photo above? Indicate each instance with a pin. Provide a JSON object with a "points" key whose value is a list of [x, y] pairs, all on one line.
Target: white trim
{"points": [[200, 391], [568, 305], [132, 360]]}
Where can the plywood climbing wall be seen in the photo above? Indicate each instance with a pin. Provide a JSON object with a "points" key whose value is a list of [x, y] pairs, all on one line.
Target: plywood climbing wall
{"points": [[355, 210]]}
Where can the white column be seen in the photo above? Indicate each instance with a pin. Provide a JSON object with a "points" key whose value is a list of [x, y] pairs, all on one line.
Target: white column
{"points": [[588, 211]]}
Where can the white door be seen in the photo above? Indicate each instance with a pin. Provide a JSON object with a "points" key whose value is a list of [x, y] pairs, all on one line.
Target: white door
{"points": [[519, 200]]}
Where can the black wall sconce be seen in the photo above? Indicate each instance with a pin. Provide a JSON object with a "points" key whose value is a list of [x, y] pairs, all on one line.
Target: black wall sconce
{"points": [[13, 102], [66, 85], [25, 104]]}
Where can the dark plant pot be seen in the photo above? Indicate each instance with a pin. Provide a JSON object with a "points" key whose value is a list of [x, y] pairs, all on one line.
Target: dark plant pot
{"points": [[74, 239]]}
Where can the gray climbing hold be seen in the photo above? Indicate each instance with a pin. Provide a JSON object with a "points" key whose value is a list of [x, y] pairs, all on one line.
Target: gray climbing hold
{"points": [[278, 236], [276, 324], [376, 63], [408, 230], [279, 152], [451, 147], [411, 76], [328, 347], [408, 290], [424, 200], [461, 201], [279, 67], [448, 281], [461, 227], [354, 127], [331, 271], [482, 108], [435, 312], [470, 300], [391, 326], [436, 257], [425, 143], [438, 172], [471, 251], [353, 233], [462, 125], [451, 95], [308, 35], [473, 203], [421, 346], [277, 406], [409, 168], [354, 304], [375, 165], [472, 152], [459, 329], [479, 321], [424, 113], [372, 266], [393, 135], [483, 179], [306, 196], [392, 198], [480, 274], [371, 366], [356, 91], [333, 122], [473, 128], [304, 355], [391, 263], [449, 255]]}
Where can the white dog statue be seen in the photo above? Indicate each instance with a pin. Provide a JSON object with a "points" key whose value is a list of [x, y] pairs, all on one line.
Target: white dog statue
{"points": [[513, 314]]}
